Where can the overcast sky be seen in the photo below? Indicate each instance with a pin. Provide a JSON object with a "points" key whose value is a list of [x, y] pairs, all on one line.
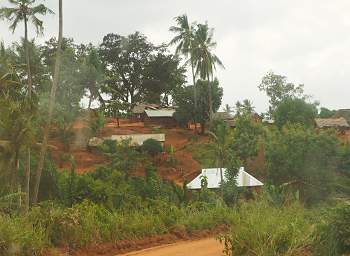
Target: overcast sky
{"points": [[306, 40]]}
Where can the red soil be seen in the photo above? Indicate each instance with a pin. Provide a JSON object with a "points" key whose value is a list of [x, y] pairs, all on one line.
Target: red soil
{"points": [[112, 249], [183, 166]]}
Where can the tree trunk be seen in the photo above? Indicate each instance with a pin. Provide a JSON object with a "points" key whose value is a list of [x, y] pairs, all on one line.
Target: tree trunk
{"points": [[29, 74], [195, 95], [90, 101], [51, 108], [210, 99]]}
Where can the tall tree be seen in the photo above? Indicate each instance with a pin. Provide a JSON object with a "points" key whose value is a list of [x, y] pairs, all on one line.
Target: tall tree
{"points": [[125, 60], [185, 44], [25, 11], [206, 60], [277, 89], [51, 108], [183, 98]]}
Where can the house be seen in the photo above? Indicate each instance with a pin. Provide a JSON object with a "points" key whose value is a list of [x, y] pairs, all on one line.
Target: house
{"points": [[161, 117], [226, 117], [138, 111], [337, 123], [135, 139], [213, 175]]}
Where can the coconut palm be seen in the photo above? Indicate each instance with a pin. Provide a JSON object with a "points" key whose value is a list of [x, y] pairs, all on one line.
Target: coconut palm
{"points": [[205, 60], [185, 41], [25, 11], [51, 108]]}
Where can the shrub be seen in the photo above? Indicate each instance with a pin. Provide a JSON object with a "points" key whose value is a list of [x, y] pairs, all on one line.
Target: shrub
{"points": [[97, 124], [152, 147], [333, 235], [19, 237], [260, 229]]}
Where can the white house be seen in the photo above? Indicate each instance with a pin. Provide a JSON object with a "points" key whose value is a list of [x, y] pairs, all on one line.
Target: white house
{"points": [[243, 179]]}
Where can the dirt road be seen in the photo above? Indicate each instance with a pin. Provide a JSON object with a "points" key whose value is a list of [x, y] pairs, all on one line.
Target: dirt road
{"points": [[205, 247]]}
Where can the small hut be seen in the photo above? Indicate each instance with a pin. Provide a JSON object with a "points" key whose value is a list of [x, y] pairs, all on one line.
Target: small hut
{"points": [[336, 123]]}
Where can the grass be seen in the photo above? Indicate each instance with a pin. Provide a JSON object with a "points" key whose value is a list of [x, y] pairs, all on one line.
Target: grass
{"points": [[260, 229], [202, 153]]}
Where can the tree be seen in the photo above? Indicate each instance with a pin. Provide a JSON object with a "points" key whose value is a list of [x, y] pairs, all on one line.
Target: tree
{"points": [[205, 60], [16, 130], [125, 60], [277, 89], [91, 73], [51, 108], [295, 111], [184, 100], [326, 113], [186, 43], [244, 108], [163, 76], [222, 140], [246, 138], [302, 160], [24, 10]]}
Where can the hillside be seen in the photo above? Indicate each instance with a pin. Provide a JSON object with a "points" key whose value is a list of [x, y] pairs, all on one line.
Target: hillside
{"points": [[183, 166]]}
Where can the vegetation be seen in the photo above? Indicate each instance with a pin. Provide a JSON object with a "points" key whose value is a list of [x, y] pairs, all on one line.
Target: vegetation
{"points": [[302, 209]]}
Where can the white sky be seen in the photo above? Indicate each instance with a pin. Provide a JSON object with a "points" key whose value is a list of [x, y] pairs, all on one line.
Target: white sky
{"points": [[306, 40]]}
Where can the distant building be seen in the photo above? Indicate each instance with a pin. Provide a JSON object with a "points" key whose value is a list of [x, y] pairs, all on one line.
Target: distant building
{"points": [[243, 179], [163, 117], [337, 123], [226, 117], [138, 111], [135, 139]]}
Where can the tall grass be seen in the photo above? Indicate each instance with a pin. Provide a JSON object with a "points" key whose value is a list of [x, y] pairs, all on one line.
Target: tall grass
{"points": [[261, 229]]}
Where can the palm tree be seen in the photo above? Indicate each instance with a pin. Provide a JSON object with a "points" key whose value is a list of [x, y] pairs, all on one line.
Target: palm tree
{"points": [[185, 41], [222, 140], [51, 108], [25, 11], [206, 60]]}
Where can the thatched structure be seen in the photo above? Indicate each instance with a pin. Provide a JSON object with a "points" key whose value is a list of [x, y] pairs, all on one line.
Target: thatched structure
{"points": [[337, 123]]}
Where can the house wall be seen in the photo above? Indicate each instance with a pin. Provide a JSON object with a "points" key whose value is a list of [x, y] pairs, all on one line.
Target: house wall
{"points": [[168, 122]]}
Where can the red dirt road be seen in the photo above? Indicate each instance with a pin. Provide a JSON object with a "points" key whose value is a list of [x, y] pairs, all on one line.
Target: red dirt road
{"points": [[204, 247]]}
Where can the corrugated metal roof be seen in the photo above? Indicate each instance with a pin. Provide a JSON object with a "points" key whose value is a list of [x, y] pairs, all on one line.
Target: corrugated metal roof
{"points": [[160, 113], [140, 108], [243, 179]]}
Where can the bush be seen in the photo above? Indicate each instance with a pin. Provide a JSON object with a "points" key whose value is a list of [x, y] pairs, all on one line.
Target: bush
{"points": [[333, 236], [97, 124], [152, 147], [260, 229], [19, 237]]}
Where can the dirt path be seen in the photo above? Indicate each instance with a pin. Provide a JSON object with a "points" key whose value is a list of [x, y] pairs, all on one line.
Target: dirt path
{"points": [[204, 247]]}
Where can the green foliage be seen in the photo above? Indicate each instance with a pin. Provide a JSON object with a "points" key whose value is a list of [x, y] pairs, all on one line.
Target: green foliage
{"points": [[302, 160], [183, 98], [18, 236], [137, 70], [295, 111], [326, 113], [203, 153], [152, 147], [246, 137], [97, 124], [333, 236], [344, 159], [277, 89], [259, 229]]}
